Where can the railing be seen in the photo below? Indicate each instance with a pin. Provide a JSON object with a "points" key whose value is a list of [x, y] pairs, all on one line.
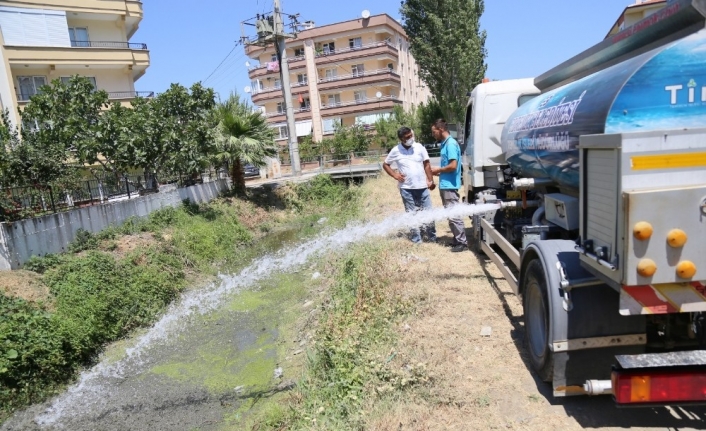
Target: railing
{"points": [[17, 203], [358, 102], [337, 105], [276, 88], [327, 52], [130, 94], [355, 48], [275, 114], [24, 97], [358, 75], [103, 44], [359, 164]]}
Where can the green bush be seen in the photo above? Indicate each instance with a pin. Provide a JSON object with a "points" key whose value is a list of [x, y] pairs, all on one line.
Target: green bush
{"points": [[84, 241], [32, 355], [323, 190], [40, 264], [99, 299]]}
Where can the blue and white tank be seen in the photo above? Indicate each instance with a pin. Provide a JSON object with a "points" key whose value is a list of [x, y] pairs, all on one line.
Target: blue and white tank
{"points": [[661, 89]]}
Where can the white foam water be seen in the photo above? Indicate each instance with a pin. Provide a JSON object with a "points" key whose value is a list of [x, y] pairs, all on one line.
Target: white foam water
{"points": [[89, 393]]}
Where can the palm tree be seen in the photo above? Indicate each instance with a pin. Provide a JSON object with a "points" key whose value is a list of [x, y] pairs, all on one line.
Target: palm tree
{"points": [[243, 137]]}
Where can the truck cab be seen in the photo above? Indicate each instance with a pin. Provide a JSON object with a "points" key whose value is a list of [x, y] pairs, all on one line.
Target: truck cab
{"points": [[489, 106]]}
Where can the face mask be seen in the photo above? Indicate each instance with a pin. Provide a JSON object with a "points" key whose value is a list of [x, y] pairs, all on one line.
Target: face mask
{"points": [[408, 143]]}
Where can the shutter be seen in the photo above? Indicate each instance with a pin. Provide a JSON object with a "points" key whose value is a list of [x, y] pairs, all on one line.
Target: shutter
{"points": [[35, 29], [11, 25], [57, 28], [303, 128]]}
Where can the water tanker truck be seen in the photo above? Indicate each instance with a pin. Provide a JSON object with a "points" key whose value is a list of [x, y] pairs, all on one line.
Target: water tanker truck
{"points": [[598, 167]]}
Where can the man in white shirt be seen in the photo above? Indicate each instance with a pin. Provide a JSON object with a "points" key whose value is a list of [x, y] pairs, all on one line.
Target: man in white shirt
{"points": [[414, 178]]}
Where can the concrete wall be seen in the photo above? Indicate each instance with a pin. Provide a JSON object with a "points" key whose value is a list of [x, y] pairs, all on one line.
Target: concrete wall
{"points": [[52, 233]]}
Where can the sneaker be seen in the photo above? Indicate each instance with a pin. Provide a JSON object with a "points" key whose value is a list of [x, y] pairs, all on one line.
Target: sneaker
{"points": [[458, 248]]}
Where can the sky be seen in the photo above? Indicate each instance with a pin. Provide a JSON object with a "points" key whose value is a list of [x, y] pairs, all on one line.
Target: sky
{"points": [[189, 39]]}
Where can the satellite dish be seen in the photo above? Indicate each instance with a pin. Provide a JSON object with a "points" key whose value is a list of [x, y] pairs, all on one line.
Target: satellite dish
{"points": [[378, 94], [247, 64], [247, 89], [365, 14]]}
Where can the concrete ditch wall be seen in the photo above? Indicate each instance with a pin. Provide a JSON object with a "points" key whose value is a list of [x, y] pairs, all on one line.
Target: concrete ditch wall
{"points": [[52, 233]]}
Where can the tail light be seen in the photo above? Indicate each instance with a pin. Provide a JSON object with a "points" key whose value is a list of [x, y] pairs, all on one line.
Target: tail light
{"points": [[659, 386]]}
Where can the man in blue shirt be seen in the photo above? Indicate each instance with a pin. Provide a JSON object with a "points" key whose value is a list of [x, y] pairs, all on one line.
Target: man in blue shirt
{"points": [[449, 174]]}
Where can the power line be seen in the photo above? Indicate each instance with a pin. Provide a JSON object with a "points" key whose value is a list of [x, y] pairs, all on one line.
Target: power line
{"points": [[224, 59], [227, 70]]}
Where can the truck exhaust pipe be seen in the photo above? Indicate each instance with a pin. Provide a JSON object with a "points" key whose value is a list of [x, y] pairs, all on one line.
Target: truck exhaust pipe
{"points": [[598, 387]]}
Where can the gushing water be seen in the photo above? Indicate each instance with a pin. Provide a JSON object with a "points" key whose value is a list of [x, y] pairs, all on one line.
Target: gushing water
{"points": [[89, 392]]}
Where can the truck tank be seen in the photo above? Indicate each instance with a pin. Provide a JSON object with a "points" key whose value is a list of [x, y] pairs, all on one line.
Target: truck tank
{"points": [[664, 88]]}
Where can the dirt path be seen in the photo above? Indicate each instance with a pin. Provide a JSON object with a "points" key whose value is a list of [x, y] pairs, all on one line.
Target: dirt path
{"points": [[484, 382]]}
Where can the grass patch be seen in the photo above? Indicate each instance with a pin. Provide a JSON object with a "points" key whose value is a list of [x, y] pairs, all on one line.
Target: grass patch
{"points": [[352, 363], [101, 291]]}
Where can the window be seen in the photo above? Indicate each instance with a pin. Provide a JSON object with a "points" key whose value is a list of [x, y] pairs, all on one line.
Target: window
{"points": [[65, 80], [391, 66], [330, 124], [354, 43], [278, 84], [358, 70], [301, 79], [299, 52], [257, 85], [29, 86], [334, 99], [280, 107], [525, 98], [79, 37], [282, 132], [329, 48], [360, 96], [330, 74], [305, 104]]}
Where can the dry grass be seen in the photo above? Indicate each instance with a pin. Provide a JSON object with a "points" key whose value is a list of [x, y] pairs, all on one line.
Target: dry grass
{"points": [[476, 383], [23, 284]]}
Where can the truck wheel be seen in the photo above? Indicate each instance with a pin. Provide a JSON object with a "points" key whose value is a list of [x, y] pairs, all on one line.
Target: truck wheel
{"points": [[536, 315]]}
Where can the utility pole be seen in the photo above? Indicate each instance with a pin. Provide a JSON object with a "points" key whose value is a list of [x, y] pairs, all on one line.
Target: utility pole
{"points": [[270, 30], [280, 46]]}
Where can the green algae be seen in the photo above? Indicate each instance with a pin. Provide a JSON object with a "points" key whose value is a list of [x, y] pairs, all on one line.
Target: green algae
{"points": [[256, 322]]}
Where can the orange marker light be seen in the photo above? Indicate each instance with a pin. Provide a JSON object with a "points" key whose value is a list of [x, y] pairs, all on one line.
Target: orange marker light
{"points": [[646, 267], [686, 269], [676, 238], [642, 230], [640, 389]]}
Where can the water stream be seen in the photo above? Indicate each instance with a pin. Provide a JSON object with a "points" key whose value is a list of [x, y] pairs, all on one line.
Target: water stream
{"points": [[93, 390]]}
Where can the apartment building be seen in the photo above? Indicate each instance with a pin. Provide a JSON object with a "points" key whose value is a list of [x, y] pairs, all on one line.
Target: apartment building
{"points": [[635, 12], [44, 40], [351, 72]]}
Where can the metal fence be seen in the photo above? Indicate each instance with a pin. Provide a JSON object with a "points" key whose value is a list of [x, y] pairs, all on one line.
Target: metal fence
{"points": [[17, 203]]}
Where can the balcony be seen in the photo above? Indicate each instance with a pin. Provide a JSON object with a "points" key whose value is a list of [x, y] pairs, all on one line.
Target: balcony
{"points": [[299, 114], [118, 95], [112, 96], [108, 44], [365, 78], [261, 69], [106, 54], [269, 93], [113, 7], [375, 49], [356, 106]]}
